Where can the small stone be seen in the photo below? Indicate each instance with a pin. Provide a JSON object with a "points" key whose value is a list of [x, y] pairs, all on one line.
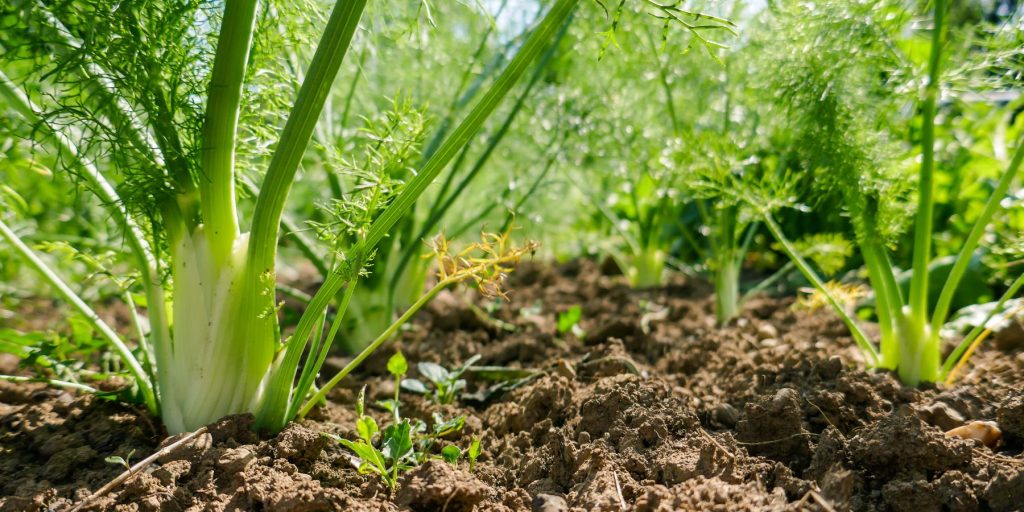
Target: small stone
{"points": [[234, 460], [549, 503], [564, 369], [726, 414], [766, 331], [1011, 337], [941, 415], [830, 368], [783, 398]]}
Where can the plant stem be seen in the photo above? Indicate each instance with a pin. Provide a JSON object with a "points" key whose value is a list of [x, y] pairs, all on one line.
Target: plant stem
{"points": [[963, 258], [217, 180], [957, 352], [470, 126], [727, 289], [372, 347], [887, 310], [445, 203], [320, 350], [647, 268], [108, 334], [149, 269], [858, 334], [298, 129], [926, 187], [769, 281], [51, 382]]}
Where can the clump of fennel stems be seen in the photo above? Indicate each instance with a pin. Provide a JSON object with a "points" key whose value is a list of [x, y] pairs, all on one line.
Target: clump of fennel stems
{"points": [[910, 342], [219, 349]]}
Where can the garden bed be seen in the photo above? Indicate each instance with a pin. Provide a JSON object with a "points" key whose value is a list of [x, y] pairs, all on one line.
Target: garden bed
{"points": [[654, 409]]}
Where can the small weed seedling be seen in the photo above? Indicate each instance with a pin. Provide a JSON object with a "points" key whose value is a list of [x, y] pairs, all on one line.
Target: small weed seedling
{"points": [[447, 383], [473, 452], [569, 321], [396, 447], [121, 461], [405, 443]]}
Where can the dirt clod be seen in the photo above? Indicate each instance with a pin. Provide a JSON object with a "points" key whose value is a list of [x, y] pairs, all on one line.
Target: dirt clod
{"points": [[437, 485]]}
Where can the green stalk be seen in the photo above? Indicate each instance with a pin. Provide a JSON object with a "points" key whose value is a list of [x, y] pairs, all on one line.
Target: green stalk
{"points": [[858, 334], [310, 372], [963, 259], [51, 382], [149, 270], [727, 290], [769, 281], [647, 268], [958, 352], [293, 231], [888, 311], [372, 347], [108, 334], [918, 301], [474, 120], [726, 263], [257, 307], [437, 213], [280, 382], [217, 180], [298, 129], [919, 351]]}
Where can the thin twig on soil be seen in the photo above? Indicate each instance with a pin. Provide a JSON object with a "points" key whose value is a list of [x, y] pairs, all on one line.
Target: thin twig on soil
{"points": [[779, 440], [618, 491], [823, 415], [1000, 458], [448, 501], [137, 468], [820, 500], [817, 498], [717, 444]]}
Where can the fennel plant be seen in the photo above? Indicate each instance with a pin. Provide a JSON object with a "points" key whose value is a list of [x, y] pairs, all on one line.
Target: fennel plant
{"points": [[146, 111], [838, 99]]}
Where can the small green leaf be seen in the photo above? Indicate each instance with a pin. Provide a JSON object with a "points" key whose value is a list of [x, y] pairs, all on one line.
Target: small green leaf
{"points": [[81, 330], [397, 441], [389, 405], [569, 318], [414, 386], [434, 373], [397, 365], [114, 459], [370, 456], [443, 428], [359, 402], [367, 428], [473, 452], [465, 366], [451, 454]]}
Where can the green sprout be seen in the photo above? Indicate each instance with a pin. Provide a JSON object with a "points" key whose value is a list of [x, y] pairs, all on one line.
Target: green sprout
{"points": [[447, 384]]}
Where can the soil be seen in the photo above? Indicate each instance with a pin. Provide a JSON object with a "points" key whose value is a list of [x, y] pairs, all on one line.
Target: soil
{"points": [[654, 409]]}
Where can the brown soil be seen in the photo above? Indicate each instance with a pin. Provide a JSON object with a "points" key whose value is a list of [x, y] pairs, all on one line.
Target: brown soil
{"points": [[655, 410]]}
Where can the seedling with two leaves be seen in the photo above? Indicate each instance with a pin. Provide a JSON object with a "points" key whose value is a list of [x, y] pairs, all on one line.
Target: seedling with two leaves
{"points": [[446, 384]]}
